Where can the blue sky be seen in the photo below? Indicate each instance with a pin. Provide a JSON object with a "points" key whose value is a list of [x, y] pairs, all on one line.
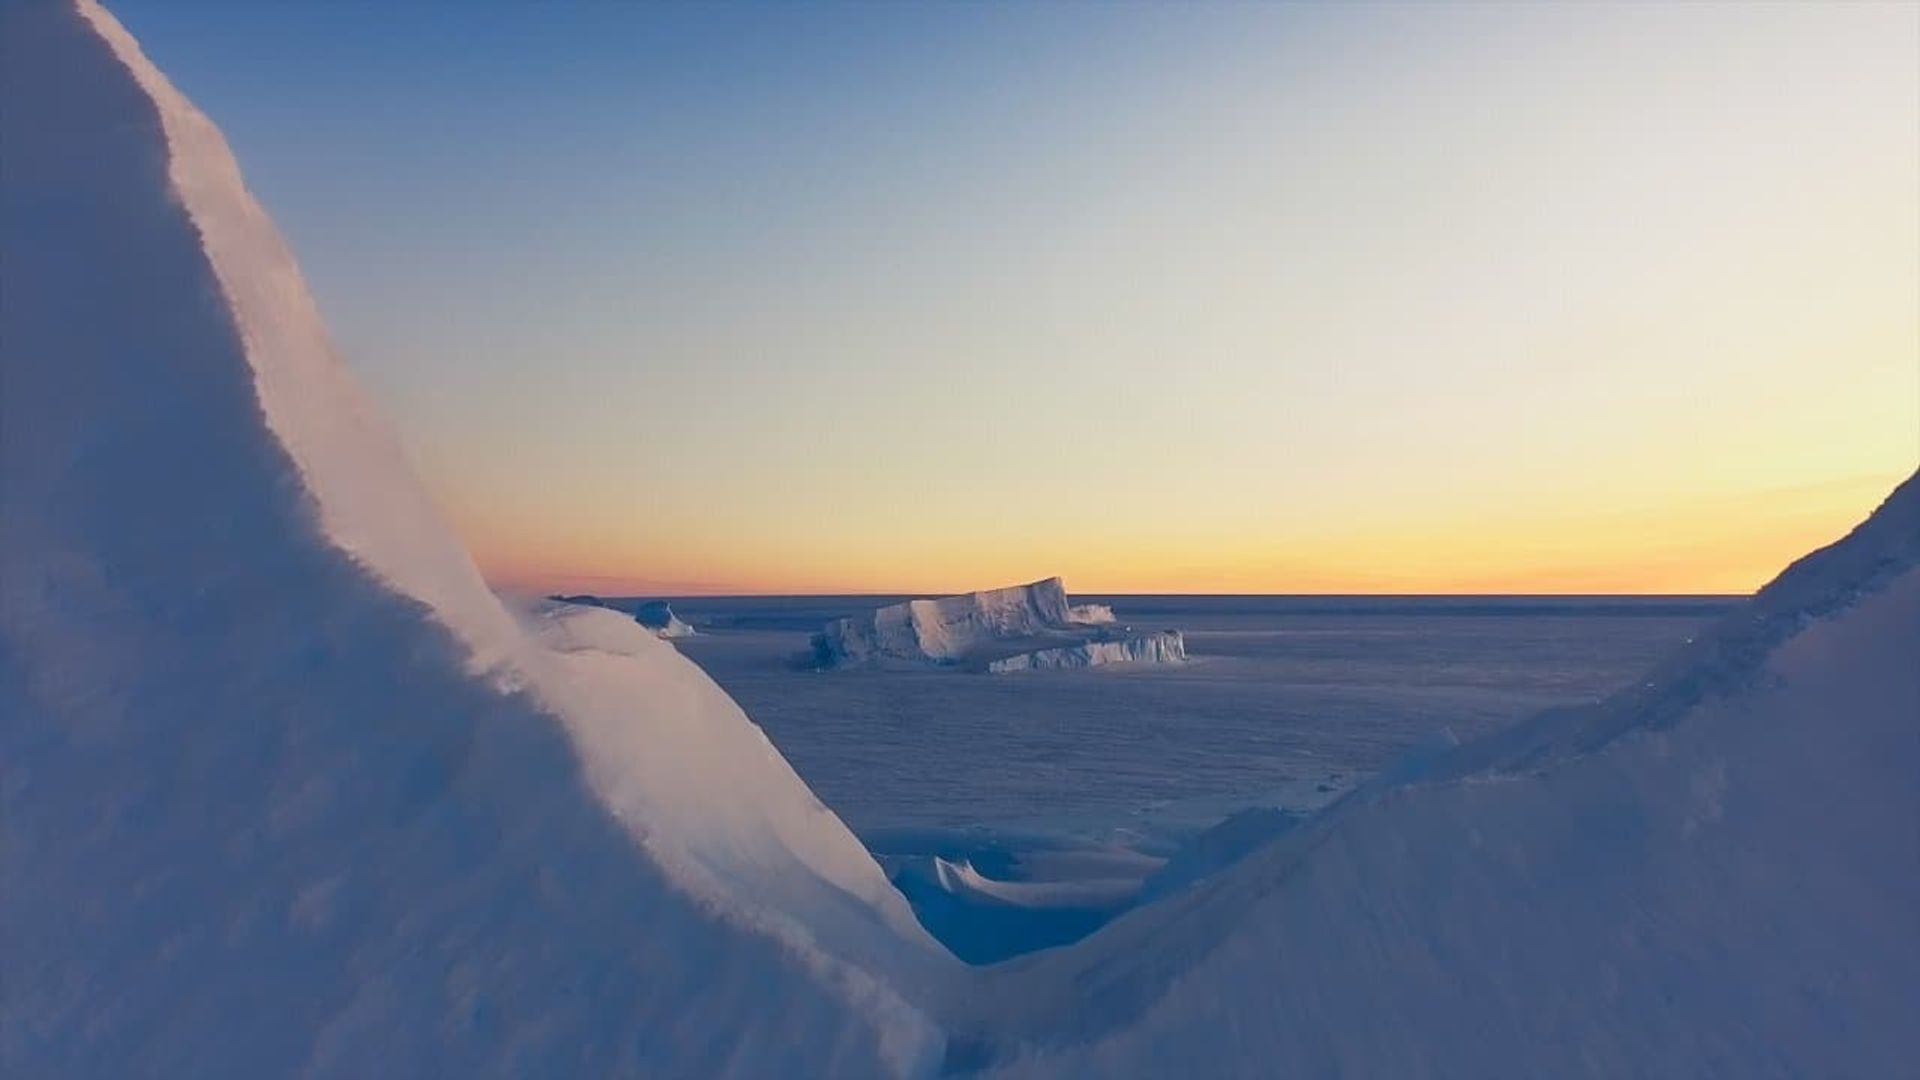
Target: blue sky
{"points": [[1207, 297]]}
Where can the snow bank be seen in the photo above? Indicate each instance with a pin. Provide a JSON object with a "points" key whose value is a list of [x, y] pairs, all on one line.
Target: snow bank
{"points": [[287, 788], [1713, 874], [287, 791], [1019, 628]]}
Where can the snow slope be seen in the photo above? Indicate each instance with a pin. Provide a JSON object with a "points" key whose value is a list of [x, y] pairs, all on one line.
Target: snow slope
{"points": [[287, 789], [1715, 874]]}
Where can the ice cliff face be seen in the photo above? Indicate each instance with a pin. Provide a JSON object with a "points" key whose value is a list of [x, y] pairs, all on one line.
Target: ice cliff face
{"points": [[1020, 628], [658, 616], [287, 790], [1157, 647], [948, 629]]}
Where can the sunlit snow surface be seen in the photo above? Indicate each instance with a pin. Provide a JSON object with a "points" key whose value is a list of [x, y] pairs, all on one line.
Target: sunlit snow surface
{"points": [[284, 792], [286, 789]]}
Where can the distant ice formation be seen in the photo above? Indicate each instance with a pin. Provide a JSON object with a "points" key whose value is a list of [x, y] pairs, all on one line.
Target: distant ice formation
{"points": [[1090, 614], [1019, 628], [656, 615], [1151, 647]]}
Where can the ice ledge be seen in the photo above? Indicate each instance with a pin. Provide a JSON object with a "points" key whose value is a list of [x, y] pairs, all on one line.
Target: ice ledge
{"points": [[1154, 647], [1019, 628]]}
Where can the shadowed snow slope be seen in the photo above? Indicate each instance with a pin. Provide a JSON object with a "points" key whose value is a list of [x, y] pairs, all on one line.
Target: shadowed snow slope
{"points": [[1722, 883], [285, 787]]}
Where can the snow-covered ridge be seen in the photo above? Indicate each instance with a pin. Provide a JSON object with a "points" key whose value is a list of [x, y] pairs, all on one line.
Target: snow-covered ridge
{"points": [[262, 715], [1018, 628], [1721, 884]]}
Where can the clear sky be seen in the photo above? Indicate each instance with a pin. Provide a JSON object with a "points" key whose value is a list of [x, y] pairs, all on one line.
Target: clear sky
{"points": [[1238, 298]]}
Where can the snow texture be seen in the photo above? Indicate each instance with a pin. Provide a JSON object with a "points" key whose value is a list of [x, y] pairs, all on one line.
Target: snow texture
{"points": [[288, 791], [287, 788], [1018, 628]]}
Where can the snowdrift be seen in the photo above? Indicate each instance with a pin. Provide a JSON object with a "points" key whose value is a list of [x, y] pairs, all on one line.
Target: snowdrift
{"points": [[288, 791], [1018, 628], [1713, 873]]}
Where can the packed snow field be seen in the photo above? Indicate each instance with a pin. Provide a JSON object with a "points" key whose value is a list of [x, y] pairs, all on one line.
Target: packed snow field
{"points": [[288, 791]]}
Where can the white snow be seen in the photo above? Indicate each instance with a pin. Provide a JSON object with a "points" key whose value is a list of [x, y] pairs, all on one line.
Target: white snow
{"points": [[1724, 885], [274, 752], [287, 791]]}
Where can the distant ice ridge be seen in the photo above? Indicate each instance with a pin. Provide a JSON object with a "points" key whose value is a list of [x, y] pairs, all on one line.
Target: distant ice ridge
{"points": [[656, 615], [1019, 628], [1153, 647], [288, 790]]}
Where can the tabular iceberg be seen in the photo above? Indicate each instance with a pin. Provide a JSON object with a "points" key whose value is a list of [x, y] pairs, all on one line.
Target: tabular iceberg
{"points": [[1019, 628]]}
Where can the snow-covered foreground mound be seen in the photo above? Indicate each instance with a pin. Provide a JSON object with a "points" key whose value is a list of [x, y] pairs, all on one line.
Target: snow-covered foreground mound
{"points": [[286, 788]]}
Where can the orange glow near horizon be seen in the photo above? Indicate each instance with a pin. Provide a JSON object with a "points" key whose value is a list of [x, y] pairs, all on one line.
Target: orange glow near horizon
{"points": [[1728, 545], [1403, 298]]}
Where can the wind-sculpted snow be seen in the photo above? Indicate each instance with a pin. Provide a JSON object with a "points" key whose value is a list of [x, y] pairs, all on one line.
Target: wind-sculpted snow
{"points": [[287, 790], [1725, 888]]}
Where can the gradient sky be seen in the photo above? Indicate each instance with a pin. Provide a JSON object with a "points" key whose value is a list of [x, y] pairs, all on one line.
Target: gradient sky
{"points": [[1241, 298]]}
